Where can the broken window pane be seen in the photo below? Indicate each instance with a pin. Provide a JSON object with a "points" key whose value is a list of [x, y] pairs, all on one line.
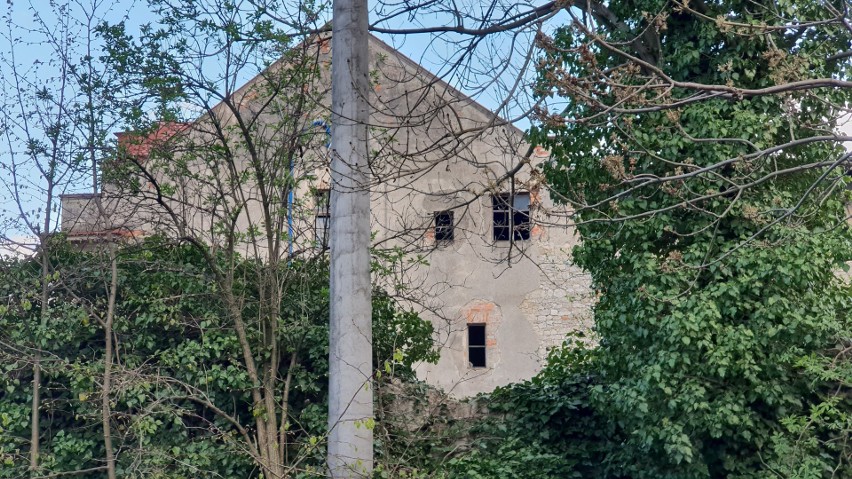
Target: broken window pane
{"points": [[511, 216], [443, 226]]}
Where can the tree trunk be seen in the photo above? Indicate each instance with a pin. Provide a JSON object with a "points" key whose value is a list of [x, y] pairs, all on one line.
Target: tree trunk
{"points": [[350, 402], [44, 239], [34, 414], [106, 411]]}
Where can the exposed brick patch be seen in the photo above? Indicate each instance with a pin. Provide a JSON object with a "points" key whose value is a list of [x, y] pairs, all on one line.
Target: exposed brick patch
{"points": [[484, 312], [479, 312]]}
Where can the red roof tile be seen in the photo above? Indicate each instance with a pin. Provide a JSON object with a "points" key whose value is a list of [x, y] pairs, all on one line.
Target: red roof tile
{"points": [[139, 145]]}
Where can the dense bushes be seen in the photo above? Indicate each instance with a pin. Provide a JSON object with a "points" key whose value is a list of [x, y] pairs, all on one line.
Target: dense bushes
{"points": [[180, 400], [542, 428]]}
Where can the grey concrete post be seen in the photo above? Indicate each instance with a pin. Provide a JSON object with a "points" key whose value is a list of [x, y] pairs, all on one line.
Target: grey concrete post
{"points": [[350, 403]]}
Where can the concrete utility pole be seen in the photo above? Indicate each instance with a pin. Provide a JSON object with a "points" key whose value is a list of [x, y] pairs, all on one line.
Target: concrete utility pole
{"points": [[350, 398]]}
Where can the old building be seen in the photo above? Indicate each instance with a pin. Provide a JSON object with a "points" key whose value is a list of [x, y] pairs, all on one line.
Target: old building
{"points": [[482, 250]]}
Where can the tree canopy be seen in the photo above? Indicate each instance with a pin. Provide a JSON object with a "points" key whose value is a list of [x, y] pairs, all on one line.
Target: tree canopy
{"points": [[698, 146]]}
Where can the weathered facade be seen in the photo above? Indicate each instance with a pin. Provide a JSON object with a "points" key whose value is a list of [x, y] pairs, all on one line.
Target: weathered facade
{"points": [[453, 185]]}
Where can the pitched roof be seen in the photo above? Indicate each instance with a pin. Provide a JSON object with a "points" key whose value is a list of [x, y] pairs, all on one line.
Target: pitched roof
{"points": [[139, 145]]}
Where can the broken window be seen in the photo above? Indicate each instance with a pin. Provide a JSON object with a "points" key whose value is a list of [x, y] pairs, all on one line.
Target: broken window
{"points": [[322, 216], [444, 226], [511, 216], [476, 345]]}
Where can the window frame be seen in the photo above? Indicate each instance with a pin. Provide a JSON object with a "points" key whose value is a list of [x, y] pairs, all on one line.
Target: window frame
{"points": [[322, 214], [444, 232], [483, 347], [510, 221]]}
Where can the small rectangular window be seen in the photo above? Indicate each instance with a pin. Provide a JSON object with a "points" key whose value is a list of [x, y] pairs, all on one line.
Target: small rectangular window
{"points": [[323, 215], [443, 226], [511, 216], [321, 228], [476, 345]]}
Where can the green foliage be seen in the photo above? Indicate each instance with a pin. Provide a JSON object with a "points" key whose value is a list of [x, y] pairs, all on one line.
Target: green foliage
{"points": [[714, 253], [178, 356], [400, 338], [541, 428]]}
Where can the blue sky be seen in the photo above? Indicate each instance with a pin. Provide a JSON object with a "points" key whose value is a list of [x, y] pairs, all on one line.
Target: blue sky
{"points": [[30, 62]]}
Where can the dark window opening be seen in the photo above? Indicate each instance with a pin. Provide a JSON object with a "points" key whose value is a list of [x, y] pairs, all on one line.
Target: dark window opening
{"points": [[511, 216], [476, 345], [443, 226], [321, 228], [323, 215]]}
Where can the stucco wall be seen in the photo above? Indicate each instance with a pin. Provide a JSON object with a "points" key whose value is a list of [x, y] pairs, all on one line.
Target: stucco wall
{"points": [[529, 295]]}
